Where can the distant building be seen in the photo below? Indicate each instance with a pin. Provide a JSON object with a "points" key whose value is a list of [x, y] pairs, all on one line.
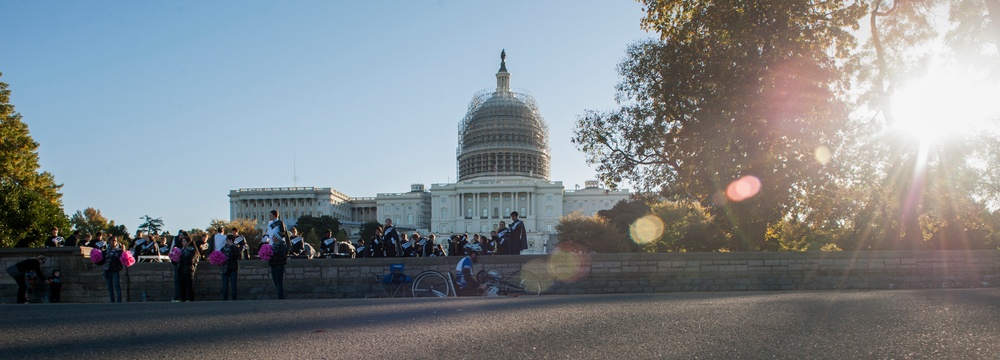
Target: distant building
{"points": [[503, 166]]}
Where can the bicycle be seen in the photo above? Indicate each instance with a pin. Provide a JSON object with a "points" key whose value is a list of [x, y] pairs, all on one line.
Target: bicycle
{"points": [[433, 283]]}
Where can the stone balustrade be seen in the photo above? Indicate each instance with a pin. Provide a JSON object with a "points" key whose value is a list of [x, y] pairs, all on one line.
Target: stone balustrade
{"points": [[559, 273]]}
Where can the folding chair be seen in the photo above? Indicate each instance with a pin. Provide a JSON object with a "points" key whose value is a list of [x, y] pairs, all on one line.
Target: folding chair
{"points": [[394, 283]]}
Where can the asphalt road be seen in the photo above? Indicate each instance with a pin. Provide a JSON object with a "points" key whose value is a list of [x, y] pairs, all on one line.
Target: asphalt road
{"points": [[902, 324]]}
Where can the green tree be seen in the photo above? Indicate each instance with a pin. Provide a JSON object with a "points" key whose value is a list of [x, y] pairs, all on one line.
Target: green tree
{"points": [[687, 227], [916, 189], [594, 233], [307, 223], [624, 213], [151, 225], [31, 200], [367, 230], [89, 221], [247, 228], [733, 90]]}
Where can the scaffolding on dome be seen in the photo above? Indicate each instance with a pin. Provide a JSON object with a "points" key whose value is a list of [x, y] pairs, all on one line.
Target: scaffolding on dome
{"points": [[503, 134]]}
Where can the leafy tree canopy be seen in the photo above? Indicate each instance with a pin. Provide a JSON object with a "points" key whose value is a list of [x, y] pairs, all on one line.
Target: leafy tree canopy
{"points": [[31, 201]]}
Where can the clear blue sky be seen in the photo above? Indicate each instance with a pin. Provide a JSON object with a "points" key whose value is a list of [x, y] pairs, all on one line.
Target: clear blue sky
{"points": [[161, 108]]}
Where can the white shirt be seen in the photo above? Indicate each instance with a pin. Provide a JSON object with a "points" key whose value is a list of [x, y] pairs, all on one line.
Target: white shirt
{"points": [[220, 241]]}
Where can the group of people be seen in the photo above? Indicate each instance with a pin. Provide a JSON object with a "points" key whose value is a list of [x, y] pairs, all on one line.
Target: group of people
{"points": [[388, 242], [185, 253]]}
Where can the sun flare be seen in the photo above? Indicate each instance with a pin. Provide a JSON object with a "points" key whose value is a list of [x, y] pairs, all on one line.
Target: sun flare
{"points": [[943, 104]]}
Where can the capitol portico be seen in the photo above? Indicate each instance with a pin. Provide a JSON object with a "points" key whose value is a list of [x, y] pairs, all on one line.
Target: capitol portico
{"points": [[503, 166]]}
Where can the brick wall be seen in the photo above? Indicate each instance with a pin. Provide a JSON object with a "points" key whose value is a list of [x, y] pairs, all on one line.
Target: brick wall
{"points": [[559, 274]]}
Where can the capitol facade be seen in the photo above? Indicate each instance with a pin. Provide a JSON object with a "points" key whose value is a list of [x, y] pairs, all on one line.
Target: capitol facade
{"points": [[503, 166]]}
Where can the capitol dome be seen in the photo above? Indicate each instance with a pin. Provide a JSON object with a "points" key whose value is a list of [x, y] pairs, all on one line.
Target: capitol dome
{"points": [[503, 134]]}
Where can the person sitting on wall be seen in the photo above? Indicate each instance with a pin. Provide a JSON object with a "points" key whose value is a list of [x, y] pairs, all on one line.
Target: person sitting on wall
{"points": [[361, 250], [328, 246], [299, 248], [345, 249]]}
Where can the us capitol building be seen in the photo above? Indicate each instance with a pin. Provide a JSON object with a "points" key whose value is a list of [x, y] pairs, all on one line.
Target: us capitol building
{"points": [[503, 166]]}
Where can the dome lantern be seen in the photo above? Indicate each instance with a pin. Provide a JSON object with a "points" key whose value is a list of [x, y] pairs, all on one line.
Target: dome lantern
{"points": [[503, 134]]}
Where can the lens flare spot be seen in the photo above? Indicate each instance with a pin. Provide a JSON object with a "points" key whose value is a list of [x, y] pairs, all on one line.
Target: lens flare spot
{"points": [[646, 229], [571, 262], [540, 268], [823, 154], [743, 188]]}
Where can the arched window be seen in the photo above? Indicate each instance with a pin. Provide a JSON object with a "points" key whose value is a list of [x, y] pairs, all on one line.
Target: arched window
{"points": [[486, 212], [496, 212], [409, 219], [522, 213]]}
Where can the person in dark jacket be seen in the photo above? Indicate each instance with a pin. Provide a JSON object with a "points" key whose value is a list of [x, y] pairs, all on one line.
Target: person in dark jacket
{"points": [[55, 287], [18, 272], [233, 252], [186, 268], [279, 258], [55, 240], [112, 269]]}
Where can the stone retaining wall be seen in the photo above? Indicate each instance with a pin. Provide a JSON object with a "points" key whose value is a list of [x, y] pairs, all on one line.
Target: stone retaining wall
{"points": [[559, 274]]}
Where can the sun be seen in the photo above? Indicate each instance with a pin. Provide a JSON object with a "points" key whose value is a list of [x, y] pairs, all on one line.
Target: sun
{"points": [[945, 103]]}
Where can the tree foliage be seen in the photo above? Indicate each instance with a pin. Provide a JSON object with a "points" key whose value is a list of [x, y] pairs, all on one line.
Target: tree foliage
{"points": [[89, 221], [247, 228], [31, 200], [780, 93], [732, 89], [367, 230], [687, 227], [594, 233], [151, 225], [624, 213], [307, 223]]}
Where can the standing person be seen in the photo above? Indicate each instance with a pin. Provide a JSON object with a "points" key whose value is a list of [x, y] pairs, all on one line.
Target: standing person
{"points": [[240, 241], [376, 247], [460, 244], [452, 245], [418, 245], [55, 287], [98, 241], [390, 239], [361, 249], [275, 229], [429, 246], [518, 235], [55, 240], [490, 243], [233, 252], [186, 267], [177, 243], [73, 239], [112, 269], [503, 246], [406, 248], [218, 240], [279, 257], [19, 270]]}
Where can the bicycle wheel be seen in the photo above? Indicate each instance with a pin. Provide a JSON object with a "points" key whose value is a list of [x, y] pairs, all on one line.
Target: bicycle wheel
{"points": [[430, 283], [526, 281]]}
